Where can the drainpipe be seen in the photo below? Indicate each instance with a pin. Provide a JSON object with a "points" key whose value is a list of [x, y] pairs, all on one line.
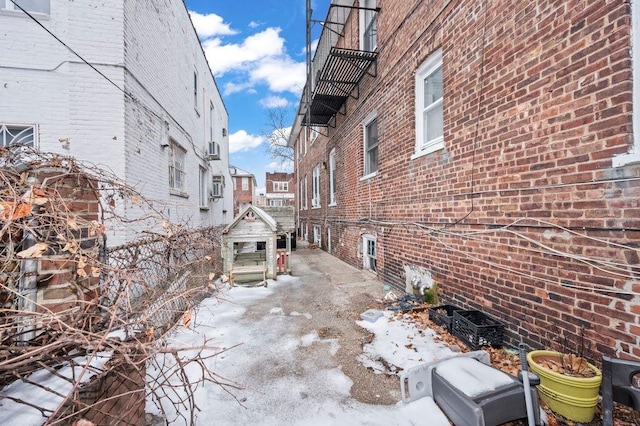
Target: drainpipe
{"points": [[28, 285]]}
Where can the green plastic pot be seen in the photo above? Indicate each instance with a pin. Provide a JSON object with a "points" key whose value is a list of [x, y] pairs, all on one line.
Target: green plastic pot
{"points": [[574, 398]]}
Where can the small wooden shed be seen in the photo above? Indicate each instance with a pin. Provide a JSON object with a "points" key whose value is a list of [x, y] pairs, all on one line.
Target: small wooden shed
{"points": [[249, 246]]}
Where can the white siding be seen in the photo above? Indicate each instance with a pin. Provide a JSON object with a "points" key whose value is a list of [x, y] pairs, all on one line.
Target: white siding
{"points": [[149, 49]]}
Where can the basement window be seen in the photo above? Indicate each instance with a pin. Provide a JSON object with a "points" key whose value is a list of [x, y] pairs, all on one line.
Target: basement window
{"points": [[369, 253], [17, 135]]}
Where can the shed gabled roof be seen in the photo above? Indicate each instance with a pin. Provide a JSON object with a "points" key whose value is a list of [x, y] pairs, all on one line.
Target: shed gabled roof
{"points": [[258, 213]]}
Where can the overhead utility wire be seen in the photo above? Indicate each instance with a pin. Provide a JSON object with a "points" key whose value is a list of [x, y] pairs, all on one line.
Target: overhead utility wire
{"points": [[70, 49]]}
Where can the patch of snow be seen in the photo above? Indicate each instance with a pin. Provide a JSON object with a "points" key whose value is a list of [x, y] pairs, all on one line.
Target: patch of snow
{"points": [[13, 413], [276, 311], [308, 339], [472, 377], [298, 314], [400, 344]]}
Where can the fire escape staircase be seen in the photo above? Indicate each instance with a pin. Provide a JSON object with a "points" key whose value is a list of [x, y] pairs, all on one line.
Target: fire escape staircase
{"points": [[338, 71]]}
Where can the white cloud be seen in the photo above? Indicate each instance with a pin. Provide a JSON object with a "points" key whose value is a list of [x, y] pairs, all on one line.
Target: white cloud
{"points": [[231, 87], [254, 24], [260, 59], [210, 25], [281, 74], [243, 141], [314, 46], [277, 166], [274, 102], [227, 57]]}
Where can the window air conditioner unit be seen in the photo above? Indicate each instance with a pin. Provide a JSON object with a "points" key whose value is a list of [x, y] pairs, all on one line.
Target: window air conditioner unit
{"points": [[213, 151]]}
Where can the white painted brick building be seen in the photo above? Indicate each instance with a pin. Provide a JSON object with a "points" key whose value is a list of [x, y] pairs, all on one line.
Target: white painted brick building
{"points": [[154, 130]]}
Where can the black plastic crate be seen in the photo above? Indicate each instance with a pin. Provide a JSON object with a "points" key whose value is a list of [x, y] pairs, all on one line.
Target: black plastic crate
{"points": [[477, 329], [443, 315]]}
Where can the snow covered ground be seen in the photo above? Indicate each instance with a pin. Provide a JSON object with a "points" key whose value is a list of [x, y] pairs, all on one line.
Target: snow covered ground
{"points": [[311, 395], [300, 394]]}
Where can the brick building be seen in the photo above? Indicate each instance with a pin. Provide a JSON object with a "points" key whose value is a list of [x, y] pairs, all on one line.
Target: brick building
{"points": [[244, 189], [280, 189], [149, 109], [489, 146]]}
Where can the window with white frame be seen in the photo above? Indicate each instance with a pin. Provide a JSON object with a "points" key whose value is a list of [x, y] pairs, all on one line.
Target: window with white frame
{"points": [[368, 27], [245, 184], [177, 171], [317, 235], [314, 132], [276, 202], [17, 135], [332, 176], [305, 192], [300, 194], [315, 200], [369, 252], [429, 108], [34, 6], [211, 120], [195, 90], [370, 145], [280, 186], [633, 155], [202, 187], [217, 186]]}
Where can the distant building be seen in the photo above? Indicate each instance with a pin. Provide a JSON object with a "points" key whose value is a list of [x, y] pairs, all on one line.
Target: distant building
{"points": [[147, 107], [280, 189], [244, 189]]}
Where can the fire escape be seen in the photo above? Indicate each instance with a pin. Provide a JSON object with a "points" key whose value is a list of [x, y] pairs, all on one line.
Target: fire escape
{"points": [[335, 73]]}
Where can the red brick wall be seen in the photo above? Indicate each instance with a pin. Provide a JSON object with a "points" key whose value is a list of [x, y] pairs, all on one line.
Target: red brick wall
{"points": [[67, 276], [239, 195], [522, 214], [272, 177], [115, 397]]}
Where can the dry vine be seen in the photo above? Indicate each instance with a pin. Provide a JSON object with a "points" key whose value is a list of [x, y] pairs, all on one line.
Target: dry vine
{"points": [[72, 310]]}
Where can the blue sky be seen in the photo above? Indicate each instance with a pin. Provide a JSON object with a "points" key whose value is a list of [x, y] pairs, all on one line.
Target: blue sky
{"points": [[256, 50]]}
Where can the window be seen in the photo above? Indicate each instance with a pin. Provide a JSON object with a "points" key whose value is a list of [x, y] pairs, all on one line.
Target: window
{"points": [[176, 167], [314, 132], [317, 235], [36, 6], [370, 146], [429, 114], [315, 200], [300, 198], [633, 155], [305, 192], [280, 186], [13, 135], [217, 186], [245, 184], [202, 187], [234, 182], [278, 202], [332, 176], [369, 255], [195, 90], [368, 30], [211, 115]]}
